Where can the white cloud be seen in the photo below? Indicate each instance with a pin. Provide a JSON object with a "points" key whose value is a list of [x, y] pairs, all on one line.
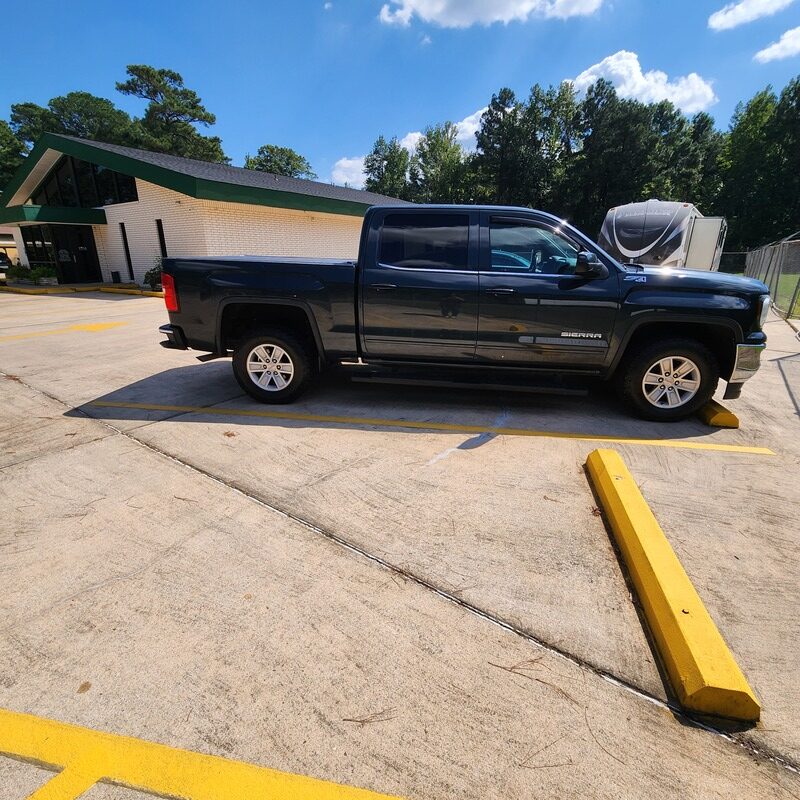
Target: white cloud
{"points": [[788, 45], [735, 14], [328, 6], [690, 93], [410, 141], [349, 171], [468, 127], [464, 13]]}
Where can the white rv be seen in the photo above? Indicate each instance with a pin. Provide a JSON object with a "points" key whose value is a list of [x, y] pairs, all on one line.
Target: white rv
{"points": [[663, 234]]}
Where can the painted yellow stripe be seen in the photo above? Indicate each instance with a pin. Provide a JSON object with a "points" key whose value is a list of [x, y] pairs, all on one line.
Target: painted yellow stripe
{"points": [[701, 668], [717, 416], [92, 327], [88, 757], [381, 422]]}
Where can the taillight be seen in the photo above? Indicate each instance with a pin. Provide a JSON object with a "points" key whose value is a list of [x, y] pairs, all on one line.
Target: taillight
{"points": [[170, 295]]}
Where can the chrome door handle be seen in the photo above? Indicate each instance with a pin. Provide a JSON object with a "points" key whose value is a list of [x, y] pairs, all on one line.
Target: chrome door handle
{"points": [[501, 291], [380, 286]]}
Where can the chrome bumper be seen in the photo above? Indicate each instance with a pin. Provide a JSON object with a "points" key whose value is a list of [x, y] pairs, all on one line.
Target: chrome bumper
{"points": [[748, 360]]}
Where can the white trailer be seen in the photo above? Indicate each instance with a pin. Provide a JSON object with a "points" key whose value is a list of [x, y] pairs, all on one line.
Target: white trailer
{"points": [[663, 234]]}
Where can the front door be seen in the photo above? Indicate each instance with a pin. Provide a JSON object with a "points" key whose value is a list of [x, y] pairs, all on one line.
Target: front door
{"points": [[419, 296], [76, 254], [533, 309]]}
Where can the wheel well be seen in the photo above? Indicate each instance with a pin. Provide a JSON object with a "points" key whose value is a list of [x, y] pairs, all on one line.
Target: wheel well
{"points": [[717, 338], [240, 318]]}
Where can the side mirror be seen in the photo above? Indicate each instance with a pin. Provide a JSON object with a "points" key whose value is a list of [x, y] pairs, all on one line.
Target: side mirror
{"points": [[588, 265]]}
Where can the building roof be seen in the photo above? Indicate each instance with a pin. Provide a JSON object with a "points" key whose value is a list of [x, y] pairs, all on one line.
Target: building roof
{"points": [[189, 176]]}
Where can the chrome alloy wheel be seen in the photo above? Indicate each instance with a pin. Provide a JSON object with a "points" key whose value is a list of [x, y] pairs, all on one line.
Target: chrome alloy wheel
{"points": [[671, 382], [270, 367]]}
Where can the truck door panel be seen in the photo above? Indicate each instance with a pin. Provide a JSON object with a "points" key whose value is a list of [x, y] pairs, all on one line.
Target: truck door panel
{"points": [[419, 295], [533, 309]]}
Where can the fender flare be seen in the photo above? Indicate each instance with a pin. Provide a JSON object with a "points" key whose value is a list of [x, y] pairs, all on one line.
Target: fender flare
{"points": [[656, 318], [268, 301]]}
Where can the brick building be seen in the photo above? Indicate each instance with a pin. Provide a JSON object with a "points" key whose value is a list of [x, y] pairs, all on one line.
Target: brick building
{"points": [[103, 212]]}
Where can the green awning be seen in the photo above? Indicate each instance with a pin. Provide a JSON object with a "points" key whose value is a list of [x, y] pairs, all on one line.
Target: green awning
{"points": [[52, 214]]}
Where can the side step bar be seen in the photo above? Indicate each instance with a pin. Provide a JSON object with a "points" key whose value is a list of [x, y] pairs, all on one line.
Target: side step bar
{"points": [[522, 388]]}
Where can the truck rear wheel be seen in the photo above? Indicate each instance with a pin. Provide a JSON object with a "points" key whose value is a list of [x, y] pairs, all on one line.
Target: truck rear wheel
{"points": [[669, 380], [272, 366]]}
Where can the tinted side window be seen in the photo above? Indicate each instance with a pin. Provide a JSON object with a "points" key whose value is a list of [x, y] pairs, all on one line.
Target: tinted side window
{"points": [[527, 247], [424, 241]]}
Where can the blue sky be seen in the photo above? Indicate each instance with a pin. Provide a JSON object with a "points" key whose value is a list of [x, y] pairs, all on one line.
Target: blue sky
{"points": [[326, 78]]}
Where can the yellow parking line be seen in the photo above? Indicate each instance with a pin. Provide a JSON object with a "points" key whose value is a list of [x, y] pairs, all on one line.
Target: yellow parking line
{"points": [[430, 426], [87, 757], [701, 668], [92, 327]]}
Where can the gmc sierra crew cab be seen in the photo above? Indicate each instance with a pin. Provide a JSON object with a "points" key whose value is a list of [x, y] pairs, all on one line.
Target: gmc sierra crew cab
{"points": [[472, 295]]}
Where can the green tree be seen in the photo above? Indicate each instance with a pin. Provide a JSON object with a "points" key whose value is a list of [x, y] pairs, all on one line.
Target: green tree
{"points": [[558, 139], [173, 110], [279, 161], [439, 166], [11, 153], [75, 114], [750, 161], [386, 169], [784, 133], [616, 164], [502, 163]]}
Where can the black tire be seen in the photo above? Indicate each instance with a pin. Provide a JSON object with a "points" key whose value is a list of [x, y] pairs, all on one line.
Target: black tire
{"points": [[296, 354], [635, 367]]}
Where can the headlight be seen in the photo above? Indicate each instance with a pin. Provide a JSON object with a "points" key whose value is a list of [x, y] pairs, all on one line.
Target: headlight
{"points": [[762, 318]]}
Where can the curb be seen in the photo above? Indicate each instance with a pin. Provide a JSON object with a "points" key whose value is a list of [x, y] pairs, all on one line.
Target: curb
{"points": [[701, 668], [140, 292], [35, 290], [717, 416]]}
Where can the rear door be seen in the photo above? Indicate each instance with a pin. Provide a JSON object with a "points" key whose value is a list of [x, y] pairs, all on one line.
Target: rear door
{"points": [[537, 311], [419, 285]]}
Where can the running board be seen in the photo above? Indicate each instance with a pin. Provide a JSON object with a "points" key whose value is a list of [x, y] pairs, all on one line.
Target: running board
{"points": [[557, 390]]}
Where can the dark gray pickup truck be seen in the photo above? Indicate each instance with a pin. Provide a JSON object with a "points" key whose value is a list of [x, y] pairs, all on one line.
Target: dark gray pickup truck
{"points": [[474, 296]]}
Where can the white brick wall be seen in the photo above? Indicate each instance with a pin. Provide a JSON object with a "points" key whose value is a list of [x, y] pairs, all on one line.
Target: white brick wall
{"points": [[209, 228]]}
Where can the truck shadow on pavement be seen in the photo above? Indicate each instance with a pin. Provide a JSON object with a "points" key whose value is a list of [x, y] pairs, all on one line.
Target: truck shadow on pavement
{"points": [[209, 393]]}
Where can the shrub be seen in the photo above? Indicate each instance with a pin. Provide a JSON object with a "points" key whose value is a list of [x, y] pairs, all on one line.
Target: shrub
{"points": [[153, 276]]}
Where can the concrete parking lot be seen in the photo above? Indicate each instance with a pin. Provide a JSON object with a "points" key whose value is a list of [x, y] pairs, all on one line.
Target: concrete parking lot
{"points": [[372, 586]]}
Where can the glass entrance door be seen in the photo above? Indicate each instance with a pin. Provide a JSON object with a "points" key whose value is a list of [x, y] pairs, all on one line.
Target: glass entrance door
{"points": [[76, 254]]}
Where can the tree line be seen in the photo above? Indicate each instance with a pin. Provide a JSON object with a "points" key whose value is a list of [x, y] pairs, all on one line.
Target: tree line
{"points": [[554, 150], [579, 156]]}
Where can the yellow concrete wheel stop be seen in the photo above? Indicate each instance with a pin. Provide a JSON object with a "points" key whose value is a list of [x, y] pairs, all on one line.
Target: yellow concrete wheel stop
{"points": [[717, 416], [702, 670]]}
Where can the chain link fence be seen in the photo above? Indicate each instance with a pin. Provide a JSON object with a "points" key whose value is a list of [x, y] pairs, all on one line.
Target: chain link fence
{"points": [[778, 265]]}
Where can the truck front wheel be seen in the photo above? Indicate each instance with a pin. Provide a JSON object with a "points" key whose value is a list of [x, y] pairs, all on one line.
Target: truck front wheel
{"points": [[272, 366], [669, 380]]}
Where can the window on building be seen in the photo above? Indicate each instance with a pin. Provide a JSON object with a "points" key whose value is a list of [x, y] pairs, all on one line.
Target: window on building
{"points": [[74, 182], [162, 242], [127, 250], [38, 245], [87, 190], [66, 184], [106, 185], [425, 241]]}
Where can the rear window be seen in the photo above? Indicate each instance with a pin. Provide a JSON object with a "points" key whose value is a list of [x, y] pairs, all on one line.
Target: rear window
{"points": [[424, 241]]}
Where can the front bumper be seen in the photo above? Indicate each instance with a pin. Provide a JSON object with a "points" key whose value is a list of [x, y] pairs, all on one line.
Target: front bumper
{"points": [[745, 365], [175, 337]]}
